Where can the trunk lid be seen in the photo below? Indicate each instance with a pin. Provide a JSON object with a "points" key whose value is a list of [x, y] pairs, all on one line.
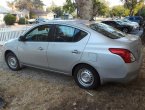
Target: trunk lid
{"points": [[133, 43]]}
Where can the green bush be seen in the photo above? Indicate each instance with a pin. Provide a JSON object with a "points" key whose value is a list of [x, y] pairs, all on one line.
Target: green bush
{"points": [[9, 19], [23, 21]]}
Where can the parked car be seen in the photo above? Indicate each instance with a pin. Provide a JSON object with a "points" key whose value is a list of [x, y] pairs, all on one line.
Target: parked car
{"points": [[31, 21], [57, 19], [93, 53], [137, 19], [41, 20], [134, 24], [119, 25]]}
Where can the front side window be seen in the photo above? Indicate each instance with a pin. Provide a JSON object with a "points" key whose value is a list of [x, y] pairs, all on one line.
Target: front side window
{"points": [[68, 34], [38, 34], [131, 18]]}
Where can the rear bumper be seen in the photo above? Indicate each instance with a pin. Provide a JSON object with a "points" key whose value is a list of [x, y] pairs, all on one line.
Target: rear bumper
{"points": [[130, 72], [129, 77]]}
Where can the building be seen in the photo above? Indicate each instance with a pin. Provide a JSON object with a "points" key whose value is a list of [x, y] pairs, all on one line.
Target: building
{"points": [[43, 14], [3, 12], [20, 14]]}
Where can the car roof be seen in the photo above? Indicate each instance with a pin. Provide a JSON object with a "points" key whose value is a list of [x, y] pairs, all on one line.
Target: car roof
{"points": [[82, 24], [108, 20], [77, 23], [133, 17], [68, 21]]}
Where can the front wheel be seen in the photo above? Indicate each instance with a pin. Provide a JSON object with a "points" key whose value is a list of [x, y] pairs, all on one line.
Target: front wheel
{"points": [[86, 77], [12, 62], [125, 30]]}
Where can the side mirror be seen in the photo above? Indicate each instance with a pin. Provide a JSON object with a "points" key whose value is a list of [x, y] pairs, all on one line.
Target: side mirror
{"points": [[22, 38]]}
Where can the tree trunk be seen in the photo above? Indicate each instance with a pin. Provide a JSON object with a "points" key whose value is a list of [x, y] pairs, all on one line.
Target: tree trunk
{"points": [[131, 12], [85, 9]]}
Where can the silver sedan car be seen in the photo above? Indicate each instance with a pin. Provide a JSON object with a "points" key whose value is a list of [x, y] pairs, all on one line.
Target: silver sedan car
{"points": [[93, 53]]}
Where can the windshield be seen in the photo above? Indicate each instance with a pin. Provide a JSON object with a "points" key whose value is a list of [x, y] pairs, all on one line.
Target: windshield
{"points": [[120, 22], [107, 30], [126, 20]]}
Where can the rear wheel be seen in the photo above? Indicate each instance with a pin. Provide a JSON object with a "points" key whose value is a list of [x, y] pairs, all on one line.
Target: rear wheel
{"points": [[12, 62], [86, 77]]}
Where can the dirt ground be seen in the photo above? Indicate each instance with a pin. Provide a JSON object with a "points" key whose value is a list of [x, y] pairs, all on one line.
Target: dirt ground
{"points": [[33, 89]]}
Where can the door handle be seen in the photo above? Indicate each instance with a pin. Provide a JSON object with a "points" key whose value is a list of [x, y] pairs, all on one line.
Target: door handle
{"points": [[75, 52], [40, 48]]}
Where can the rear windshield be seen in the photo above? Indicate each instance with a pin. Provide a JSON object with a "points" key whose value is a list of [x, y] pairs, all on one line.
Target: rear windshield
{"points": [[107, 30]]}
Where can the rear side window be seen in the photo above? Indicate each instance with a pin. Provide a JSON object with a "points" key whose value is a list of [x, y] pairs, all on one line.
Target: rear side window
{"points": [[107, 30], [68, 34], [138, 18]]}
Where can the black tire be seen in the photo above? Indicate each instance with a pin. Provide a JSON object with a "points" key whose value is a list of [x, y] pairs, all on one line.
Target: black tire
{"points": [[7, 58], [125, 30], [96, 79]]}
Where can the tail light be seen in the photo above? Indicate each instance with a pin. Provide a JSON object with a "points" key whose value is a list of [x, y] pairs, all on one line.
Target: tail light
{"points": [[125, 54]]}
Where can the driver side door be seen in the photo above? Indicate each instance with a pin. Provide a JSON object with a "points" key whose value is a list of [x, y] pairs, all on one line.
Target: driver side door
{"points": [[32, 51]]}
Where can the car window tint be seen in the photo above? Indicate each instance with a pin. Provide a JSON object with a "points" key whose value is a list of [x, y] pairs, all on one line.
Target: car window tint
{"points": [[78, 35], [68, 34], [39, 34], [131, 18], [106, 22], [137, 18], [120, 22], [111, 23], [107, 30]]}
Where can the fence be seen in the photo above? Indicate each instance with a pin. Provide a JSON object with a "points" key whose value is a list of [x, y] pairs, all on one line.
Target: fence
{"points": [[10, 33]]}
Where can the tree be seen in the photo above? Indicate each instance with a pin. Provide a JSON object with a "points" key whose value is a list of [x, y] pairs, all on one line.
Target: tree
{"points": [[141, 12], [88, 9], [133, 5], [29, 4], [69, 6], [58, 11], [11, 4], [84, 9], [24, 4], [100, 8], [38, 4], [118, 11]]}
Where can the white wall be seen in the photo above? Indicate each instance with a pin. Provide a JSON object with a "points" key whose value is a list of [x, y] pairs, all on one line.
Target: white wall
{"points": [[1, 18]]}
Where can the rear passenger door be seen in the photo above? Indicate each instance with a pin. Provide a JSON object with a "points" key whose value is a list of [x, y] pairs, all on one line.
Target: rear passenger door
{"points": [[67, 47]]}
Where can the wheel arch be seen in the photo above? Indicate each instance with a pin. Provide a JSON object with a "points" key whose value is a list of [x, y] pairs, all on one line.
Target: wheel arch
{"points": [[8, 51], [82, 64]]}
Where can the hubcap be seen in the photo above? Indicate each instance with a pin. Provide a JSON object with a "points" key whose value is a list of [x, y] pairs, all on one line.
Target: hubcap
{"points": [[125, 30], [12, 62], [85, 77]]}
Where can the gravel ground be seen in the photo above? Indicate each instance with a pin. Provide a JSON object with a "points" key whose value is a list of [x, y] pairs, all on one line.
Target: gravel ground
{"points": [[33, 89]]}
